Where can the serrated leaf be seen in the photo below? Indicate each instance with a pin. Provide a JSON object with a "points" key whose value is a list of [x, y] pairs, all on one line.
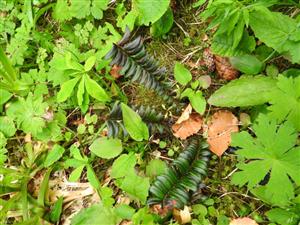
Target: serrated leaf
{"points": [[181, 74], [277, 30], [54, 155], [5, 96], [98, 6], [106, 148], [248, 64], [285, 100], [272, 151], [67, 89], [7, 126], [123, 165], [134, 125], [245, 91], [95, 90]]}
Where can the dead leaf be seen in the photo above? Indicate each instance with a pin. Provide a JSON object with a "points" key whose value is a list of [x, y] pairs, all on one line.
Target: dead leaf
{"points": [[243, 221], [115, 71], [224, 68], [187, 124], [185, 114], [208, 59], [205, 81], [222, 124], [182, 216]]}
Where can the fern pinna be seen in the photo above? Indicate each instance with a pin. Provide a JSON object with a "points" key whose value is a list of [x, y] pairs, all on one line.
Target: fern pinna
{"points": [[184, 176], [116, 127], [138, 65]]}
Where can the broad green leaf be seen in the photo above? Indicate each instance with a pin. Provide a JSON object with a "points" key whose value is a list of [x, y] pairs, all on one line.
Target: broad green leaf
{"points": [[124, 211], [96, 214], [7, 126], [89, 63], [98, 6], [54, 155], [92, 178], [4, 96], [123, 165], [277, 30], [134, 125], [163, 25], [285, 100], [66, 89], [80, 9], [136, 186], [155, 167], [60, 13], [248, 64], [75, 175], [106, 148], [198, 102], [245, 91], [181, 74], [80, 91], [95, 90], [56, 210], [274, 151], [149, 11], [283, 216]]}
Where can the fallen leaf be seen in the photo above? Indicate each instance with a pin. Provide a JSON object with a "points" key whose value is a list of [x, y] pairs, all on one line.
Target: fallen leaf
{"points": [[222, 124], [224, 68], [185, 114], [187, 124], [182, 216], [208, 59], [205, 81], [115, 71], [243, 221]]}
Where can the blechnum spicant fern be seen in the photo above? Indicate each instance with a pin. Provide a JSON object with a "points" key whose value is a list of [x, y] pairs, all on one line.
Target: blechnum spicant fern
{"points": [[149, 115], [138, 66], [176, 185]]}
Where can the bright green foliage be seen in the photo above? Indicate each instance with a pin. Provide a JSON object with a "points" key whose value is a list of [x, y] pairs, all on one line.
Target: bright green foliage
{"points": [[79, 9], [182, 74], [28, 114], [85, 85], [7, 126], [54, 155], [277, 31], [245, 91], [155, 167], [96, 214], [3, 150], [196, 98], [282, 216], [286, 100], [247, 64], [149, 11], [163, 25], [134, 125], [106, 148], [272, 150], [136, 186]]}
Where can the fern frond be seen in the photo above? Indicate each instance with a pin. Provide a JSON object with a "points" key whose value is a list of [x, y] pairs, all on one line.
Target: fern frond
{"points": [[149, 115], [182, 178], [139, 66]]}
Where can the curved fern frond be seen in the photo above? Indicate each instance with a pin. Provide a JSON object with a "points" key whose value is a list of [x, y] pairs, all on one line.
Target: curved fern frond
{"points": [[139, 66], [182, 178], [116, 127]]}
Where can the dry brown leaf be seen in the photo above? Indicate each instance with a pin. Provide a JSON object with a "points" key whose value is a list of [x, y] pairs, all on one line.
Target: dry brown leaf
{"points": [[243, 221], [187, 127], [182, 216], [224, 68], [222, 124], [208, 59], [185, 114], [115, 71]]}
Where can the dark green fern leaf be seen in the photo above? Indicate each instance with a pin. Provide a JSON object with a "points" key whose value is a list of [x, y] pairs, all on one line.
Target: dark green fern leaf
{"points": [[182, 178], [138, 66], [116, 127]]}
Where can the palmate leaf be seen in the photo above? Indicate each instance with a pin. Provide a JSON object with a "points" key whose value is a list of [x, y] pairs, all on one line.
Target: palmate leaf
{"points": [[271, 151], [286, 100]]}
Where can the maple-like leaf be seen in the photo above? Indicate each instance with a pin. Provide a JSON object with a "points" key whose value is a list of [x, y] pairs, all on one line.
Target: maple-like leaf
{"points": [[271, 151], [286, 100]]}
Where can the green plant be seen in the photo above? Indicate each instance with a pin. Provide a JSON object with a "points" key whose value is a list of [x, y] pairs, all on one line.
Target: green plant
{"points": [[272, 151], [184, 175]]}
